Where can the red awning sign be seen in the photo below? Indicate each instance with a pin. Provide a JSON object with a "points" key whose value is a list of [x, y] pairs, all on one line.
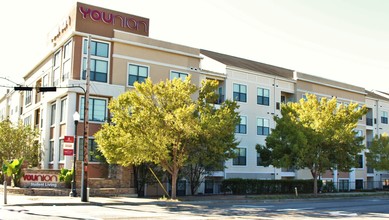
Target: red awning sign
{"points": [[68, 139]]}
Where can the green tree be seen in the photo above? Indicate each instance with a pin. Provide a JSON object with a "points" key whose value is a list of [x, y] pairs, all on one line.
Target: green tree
{"points": [[156, 123], [216, 138], [378, 156], [18, 141], [314, 134]]}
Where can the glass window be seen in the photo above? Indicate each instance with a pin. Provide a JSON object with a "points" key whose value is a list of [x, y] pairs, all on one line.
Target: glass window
{"points": [[240, 160], [63, 110], [384, 117], [241, 128], [27, 99], [97, 109], [99, 63], [263, 96], [51, 151], [360, 161], [92, 150], [240, 92], [137, 74], [61, 156], [263, 126], [179, 75], [53, 110]]}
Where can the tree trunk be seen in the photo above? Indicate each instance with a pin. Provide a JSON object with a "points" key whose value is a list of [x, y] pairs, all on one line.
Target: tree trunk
{"points": [[174, 183], [314, 174]]}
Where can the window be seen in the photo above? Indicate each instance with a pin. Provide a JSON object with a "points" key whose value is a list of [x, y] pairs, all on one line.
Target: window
{"points": [[27, 99], [241, 127], [60, 147], [137, 74], [45, 81], [263, 96], [92, 150], [263, 126], [304, 96], [53, 110], [97, 109], [27, 121], [99, 61], [259, 160], [179, 75], [51, 151], [63, 110], [67, 53], [56, 69], [240, 92], [359, 161], [240, 160], [384, 117]]}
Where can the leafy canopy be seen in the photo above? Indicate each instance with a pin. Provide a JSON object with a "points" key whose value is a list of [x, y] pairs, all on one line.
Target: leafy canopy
{"points": [[315, 134], [378, 156]]}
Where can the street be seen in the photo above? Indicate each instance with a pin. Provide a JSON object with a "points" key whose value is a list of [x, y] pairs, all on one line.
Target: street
{"points": [[135, 208]]}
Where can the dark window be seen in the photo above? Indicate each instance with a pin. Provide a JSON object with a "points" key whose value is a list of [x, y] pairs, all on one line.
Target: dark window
{"points": [[175, 74], [97, 109], [92, 150], [263, 96], [241, 127], [263, 126], [240, 160], [137, 74], [240, 92], [360, 161]]}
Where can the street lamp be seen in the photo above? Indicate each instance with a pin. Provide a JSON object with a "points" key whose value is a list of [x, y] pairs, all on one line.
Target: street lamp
{"points": [[76, 118]]}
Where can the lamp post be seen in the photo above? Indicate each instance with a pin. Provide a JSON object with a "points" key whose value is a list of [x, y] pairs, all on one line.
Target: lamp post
{"points": [[76, 118]]}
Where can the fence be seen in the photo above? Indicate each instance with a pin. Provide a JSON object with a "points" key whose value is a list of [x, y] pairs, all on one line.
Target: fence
{"points": [[345, 186]]}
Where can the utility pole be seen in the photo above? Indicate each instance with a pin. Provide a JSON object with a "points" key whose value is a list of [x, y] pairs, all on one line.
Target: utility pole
{"points": [[84, 196]]}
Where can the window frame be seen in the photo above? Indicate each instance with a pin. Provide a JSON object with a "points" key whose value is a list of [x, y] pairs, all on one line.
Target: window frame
{"points": [[137, 65], [263, 97], [63, 115], [384, 117], [179, 75], [92, 147], [53, 110], [263, 133], [95, 58], [66, 60], [238, 127], [239, 161], [236, 95], [81, 109]]}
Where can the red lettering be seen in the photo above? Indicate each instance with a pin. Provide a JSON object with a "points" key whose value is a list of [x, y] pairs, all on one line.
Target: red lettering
{"points": [[106, 20], [84, 12], [95, 15]]}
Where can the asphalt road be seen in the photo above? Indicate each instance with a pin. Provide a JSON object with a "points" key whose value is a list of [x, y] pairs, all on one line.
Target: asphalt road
{"points": [[133, 208]]}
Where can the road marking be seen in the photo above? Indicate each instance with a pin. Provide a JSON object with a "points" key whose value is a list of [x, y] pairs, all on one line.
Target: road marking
{"points": [[342, 213]]}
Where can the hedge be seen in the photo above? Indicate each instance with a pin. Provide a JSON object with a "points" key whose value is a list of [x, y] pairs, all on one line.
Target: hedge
{"points": [[255, 186]]}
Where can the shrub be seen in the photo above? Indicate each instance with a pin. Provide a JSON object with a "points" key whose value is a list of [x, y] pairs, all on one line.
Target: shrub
{"points": [[255, 186], [66, 176]]}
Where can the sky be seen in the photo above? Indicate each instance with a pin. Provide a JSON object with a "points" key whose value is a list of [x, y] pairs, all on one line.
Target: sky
{"points": [[342, 40]]}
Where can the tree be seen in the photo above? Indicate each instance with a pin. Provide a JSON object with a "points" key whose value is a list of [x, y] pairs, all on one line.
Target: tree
{"points": [[18, 141], [314, 134], [156, 123], [216, 138], [378, 156]]}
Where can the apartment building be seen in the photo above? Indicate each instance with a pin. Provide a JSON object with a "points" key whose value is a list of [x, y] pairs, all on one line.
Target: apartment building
{"points": [[122, 52]]}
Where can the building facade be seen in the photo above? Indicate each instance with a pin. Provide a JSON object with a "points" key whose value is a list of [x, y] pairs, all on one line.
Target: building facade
{"points": [[122, 53]]}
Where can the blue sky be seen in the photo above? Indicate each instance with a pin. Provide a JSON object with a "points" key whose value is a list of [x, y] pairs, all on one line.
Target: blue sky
{"points": [[342, 40]]}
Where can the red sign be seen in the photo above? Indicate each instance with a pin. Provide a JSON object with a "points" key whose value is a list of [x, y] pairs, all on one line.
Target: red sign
{"points": [[68, 139], [68, 152]]}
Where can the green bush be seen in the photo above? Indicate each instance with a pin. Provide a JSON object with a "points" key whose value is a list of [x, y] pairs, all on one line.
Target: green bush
{"points": [[66, 176], [255, 186]]}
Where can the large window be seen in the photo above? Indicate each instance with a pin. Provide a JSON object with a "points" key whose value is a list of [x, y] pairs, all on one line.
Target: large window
{"points": [[384, 117], [56, 68], [240, 160], [179, 75], [51, 151], [360, 161], [61, 156], [137, 73], [53, 110], [99, 61], [63, 110], [240, 92], [97, 109], [67, 53], [27, 99], [263, 126], [92, 150], [263, 96], [241, 128]]}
